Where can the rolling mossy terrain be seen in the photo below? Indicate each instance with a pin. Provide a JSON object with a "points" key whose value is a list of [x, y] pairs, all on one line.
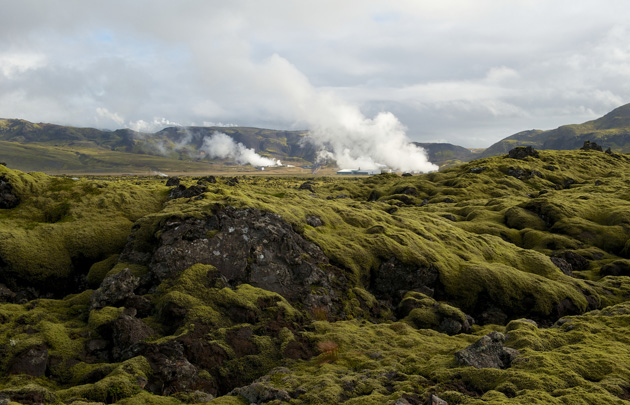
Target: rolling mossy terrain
{"points": [[498, 281]]}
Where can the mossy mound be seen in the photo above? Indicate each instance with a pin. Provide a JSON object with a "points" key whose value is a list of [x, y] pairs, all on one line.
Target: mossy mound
{"points": [[396, 274]]}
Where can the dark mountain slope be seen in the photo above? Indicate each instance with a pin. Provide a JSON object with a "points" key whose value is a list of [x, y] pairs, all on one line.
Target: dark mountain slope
{"points": [[447, 154], [610, 131]]}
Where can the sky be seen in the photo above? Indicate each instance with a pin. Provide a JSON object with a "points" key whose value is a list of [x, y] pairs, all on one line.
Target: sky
{"points": [[458, 71]]}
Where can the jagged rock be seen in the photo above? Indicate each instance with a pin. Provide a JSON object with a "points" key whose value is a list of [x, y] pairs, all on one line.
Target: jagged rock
{"points": [[608, 151], [207, 179], [32, 361], [258, 393], [172, 372], [449, 200], [308, 185], [314, 221], [246, 246], [521, 152], [487, 352], [407, 174], [477, 170], [128, 330], [232, 181], [182, 192], [616, 268], [569, 261], [8, 198], [394, 278], [6, 295], [435, 400], [114, 289], [173, 182], [97, 351], [588, 145], [563, 265]]}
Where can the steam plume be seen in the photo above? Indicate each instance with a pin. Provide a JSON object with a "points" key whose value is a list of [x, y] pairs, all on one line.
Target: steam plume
{"points": [[340, 130], [222, 146]]}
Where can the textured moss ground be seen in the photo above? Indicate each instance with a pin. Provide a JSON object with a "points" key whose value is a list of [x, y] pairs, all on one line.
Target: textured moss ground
{"points": [[489, 227]]}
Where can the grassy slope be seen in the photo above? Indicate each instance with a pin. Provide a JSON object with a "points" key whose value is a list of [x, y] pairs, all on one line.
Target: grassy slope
{"points": [[63, 149], [482, 230], [610, 131]]}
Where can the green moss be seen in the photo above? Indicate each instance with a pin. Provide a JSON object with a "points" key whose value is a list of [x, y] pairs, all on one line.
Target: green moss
{"points": [[102, 316], [121, 383], [99, 270]]}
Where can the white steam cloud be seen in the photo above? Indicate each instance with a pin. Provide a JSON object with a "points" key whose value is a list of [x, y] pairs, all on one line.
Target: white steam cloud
{"points": [[339, 129], [222, 146]]}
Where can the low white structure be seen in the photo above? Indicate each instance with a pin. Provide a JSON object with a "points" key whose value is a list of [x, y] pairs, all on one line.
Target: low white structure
{"points": [[359, 172]]}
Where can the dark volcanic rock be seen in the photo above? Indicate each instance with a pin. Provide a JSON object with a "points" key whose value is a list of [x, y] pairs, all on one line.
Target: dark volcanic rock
{"points": [[172, 182], [128, 330], [616, 268], [393, 278], [521, 152], [487, 352], [6, 295], [207, 179], [257, 393], [172, 372], [563, 265], [588, 145], [114, 289], [569, 261], [32, 361], [182, 192], [8, 198], [246, 246], [314, 221], [308, 185]]}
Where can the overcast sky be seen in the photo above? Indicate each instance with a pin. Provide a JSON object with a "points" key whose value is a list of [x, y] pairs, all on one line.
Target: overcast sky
{"points": [[466, 72]]}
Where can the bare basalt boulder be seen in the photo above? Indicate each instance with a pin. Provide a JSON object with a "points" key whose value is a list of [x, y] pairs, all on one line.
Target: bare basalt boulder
{"points": [[259, 393], [173, 182], [8, 197], [487, 352], [588, 145], [128, 330], [114, 289], [32, 361], [245, 246], [521, 152], [182, 192], [394, 278]]}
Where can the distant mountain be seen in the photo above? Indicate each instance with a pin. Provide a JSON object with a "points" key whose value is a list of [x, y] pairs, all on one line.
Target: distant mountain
{"points": [[446, 154], [42, 147], [610, 131]]}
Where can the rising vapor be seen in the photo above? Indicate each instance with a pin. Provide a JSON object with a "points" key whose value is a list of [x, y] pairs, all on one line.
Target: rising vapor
{"points": [[339, 129], [222, 146]]}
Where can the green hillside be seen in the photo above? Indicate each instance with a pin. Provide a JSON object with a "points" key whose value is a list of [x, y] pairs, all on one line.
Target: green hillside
{"points": [[79, 150], [610, 131]]}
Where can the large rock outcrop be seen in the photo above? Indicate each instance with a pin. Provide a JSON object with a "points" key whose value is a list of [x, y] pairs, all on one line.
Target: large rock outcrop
{"points": [[247, 246]]}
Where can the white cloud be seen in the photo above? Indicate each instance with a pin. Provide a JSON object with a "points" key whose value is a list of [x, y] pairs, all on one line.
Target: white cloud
{"points": [[470, 72]]}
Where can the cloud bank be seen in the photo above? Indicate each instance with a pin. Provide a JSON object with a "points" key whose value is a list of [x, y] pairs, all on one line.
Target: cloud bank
{"points": [[470, 77]]}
